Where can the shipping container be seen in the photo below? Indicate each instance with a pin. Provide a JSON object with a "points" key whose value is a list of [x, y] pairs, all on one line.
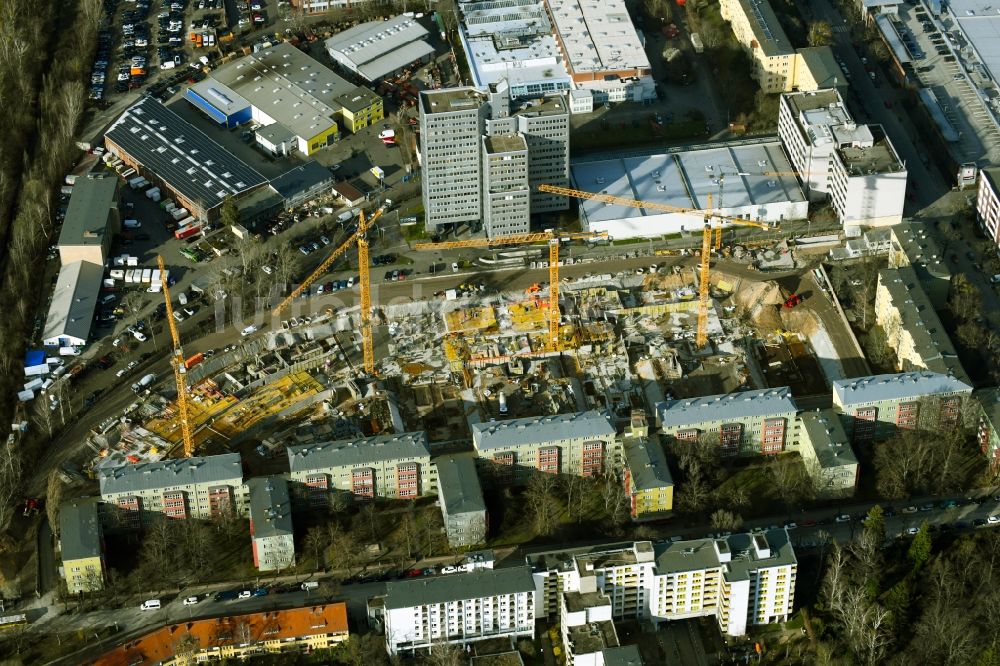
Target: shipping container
{"points": [[194, 360], [179, 213], [147, 275], [187, 231]]}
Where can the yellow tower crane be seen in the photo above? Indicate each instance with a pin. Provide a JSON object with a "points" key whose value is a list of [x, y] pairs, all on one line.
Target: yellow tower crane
{"points": [[552, 238], [177, 361], [701, 339], [358, 237]]}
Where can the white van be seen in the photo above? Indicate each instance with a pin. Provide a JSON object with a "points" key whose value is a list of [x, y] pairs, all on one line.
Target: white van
{"points": [[150, 604]]}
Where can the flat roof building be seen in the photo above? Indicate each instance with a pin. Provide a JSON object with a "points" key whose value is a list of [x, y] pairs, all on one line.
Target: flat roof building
{"points": [[854, 164], [271, 533], [686, 179], [303, 183], [581, 443], [648, 482], [74, 300], [912, 328], [199, 487], [281, 84], [461, 498], [392, 466], [377, 49], [602, 49], [512, 42], [199, 173], [745, 422], [81, 545], [506, 196], [459, 608], [911, 245], [988, 204], [874, 407], [92, 219], [827, 454]]}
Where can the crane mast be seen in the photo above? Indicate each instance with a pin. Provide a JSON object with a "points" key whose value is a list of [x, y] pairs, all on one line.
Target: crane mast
{"points": [[177, 362]]}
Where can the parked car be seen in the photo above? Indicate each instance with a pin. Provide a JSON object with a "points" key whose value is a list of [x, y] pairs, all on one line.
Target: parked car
{"points": [[190, 601]]}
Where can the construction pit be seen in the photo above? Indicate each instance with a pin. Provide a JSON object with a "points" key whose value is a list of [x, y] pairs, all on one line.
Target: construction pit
{"points": [[626, 341]]}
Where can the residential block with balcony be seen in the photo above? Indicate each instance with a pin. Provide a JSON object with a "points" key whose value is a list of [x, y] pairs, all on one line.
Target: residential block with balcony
{"points": [[581, 444], [200, 487], [458, 609], [872, 408], [390, 466]]}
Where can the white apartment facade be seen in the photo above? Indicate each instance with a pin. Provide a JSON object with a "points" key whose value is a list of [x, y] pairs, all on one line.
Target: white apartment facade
{"points": [[827, 454], [742, 580], [855, 165], [876, 406], [581, 444], [200, 487], [458, 609], [388, 466], [988, 204]]}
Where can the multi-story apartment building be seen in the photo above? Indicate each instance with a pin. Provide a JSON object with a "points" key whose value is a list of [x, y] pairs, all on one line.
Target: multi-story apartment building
{"points": [[856, 165], [912, 328], [459, 608], [622, 572], [911, 245], [392, 466], [988, 203], [746, 423], [461, 498], [581, 443], [741, 580], [506, 197], [455, 159], [587, 630], [778, 67], [81, 545], [271, 533], [648, 483], [236, 637], [200, 487], [874, 407], [826, 451], [988, 425]]}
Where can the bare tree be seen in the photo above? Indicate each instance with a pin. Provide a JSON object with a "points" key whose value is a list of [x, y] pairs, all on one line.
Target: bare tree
{"points": [[442, 653], [573, 486], [542, 502], [615, 500], [316, 542], [726, 520], [53, 498]]}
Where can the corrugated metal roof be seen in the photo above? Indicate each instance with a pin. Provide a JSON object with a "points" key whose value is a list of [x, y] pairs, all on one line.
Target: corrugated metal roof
{"points": [[74, 300], [167, 473], [541, 429], [357, 452], [457, 587], [900, 386], [395, 60], [458, 485], [182, 155], [270, 507], [730, 406], [79, 529], [372, 41], [86, 223]]}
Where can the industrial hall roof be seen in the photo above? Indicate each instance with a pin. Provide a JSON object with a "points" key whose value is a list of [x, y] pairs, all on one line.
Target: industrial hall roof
{"points": [[180, 154]]}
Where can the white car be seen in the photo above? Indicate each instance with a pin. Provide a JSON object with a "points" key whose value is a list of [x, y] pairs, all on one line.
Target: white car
{"points": [[178, 315], [993, 520], [245, 594], [843, 518], [791, 526], [138, 336], [449, 570], [190, 601], [249, 330], [912, 531], [267, 269]]}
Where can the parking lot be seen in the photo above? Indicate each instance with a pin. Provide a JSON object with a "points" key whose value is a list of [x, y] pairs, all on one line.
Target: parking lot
{"points": [[941, 71]]}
